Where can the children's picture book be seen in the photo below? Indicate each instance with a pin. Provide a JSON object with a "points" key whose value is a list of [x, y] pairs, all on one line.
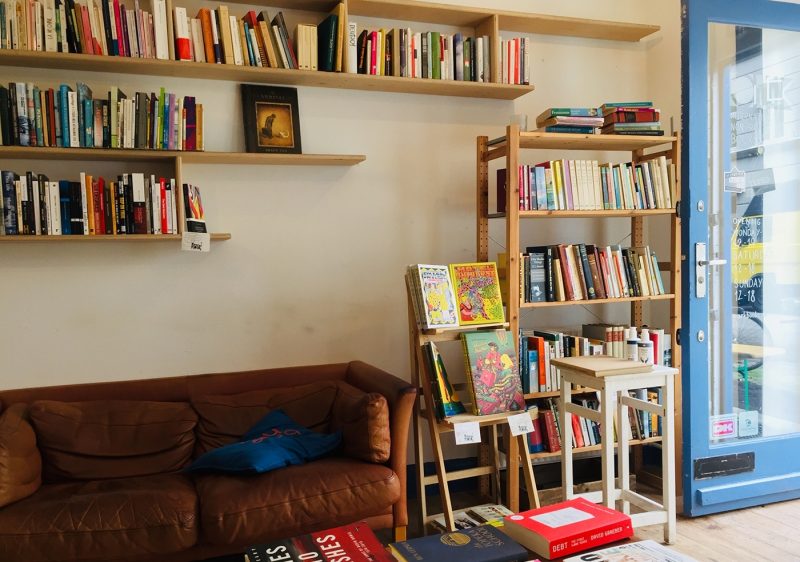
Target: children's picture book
{"points": [[493, 375], [477, 544], [642, 551], [356, 542], [446, 400], [438, 298], [477, 291]]}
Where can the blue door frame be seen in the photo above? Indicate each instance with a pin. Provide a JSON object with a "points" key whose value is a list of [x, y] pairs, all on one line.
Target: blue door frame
{"points": [[777, 459]]}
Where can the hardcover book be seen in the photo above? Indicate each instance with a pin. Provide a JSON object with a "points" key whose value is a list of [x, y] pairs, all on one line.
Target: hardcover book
{"points": [[491, 361], [477, 291], [642, 551], [477, 544], [567, 527], [437, 296], [446, 400], [355, 542]]}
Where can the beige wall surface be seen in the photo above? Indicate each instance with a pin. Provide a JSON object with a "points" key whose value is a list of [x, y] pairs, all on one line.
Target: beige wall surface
{"points": [[314, 271]]}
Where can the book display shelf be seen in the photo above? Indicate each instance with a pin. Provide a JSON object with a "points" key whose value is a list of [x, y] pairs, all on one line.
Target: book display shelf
{"points": [[634, 148], [489, 464]]}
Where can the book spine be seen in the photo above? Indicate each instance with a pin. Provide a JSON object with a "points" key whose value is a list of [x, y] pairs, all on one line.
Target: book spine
{"points": [[587, 273]]}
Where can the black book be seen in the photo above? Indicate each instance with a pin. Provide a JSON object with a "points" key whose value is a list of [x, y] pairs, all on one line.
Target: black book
{"points": [[388, 63], [122, 226], [362, 52], [12, 101], [326, 43], [9, 202], [76, 207], [108, 197], [43, 203], [424, 55], [112, 48], [28, 209], [587, 272], [547, 255], [142, 109], [402, 54], [4, 116], [630, 271], [73, 37], [130, 226], [64, 198]]}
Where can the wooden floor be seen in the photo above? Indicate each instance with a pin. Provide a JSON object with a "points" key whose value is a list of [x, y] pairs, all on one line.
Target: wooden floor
{"points": [[769, 533]]}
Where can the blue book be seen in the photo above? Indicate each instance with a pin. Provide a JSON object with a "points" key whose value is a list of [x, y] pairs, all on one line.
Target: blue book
{"points": [[251, 57], [570, 129], [88, 123], [541, 188], [37, 116], [64, 198], [533, 370], [84, 93], [484, 543], [617, 195], [62, 92]]}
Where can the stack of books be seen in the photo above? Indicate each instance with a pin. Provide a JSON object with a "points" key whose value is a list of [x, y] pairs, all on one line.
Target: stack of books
{"points": [[490, 513], [582, 120], [631, 118]]}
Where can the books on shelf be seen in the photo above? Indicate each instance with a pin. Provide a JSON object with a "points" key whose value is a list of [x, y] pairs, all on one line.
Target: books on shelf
{"points": [[489, 513], [587, 185], [578, 272], [445, 399], [567, 527], [67, 118], [484, 543], [492, 372], [428, 54], [355, 542], [631, 118], [641, 551], [134, 203], [581, 120], [435, 295], [515, 60]]}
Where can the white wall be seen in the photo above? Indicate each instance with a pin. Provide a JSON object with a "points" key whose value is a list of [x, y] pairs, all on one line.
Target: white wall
{"points": [[314, 271]]}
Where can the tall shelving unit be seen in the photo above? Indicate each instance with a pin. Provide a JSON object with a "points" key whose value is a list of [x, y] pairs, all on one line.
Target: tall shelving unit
{"points": [[637, 149]]}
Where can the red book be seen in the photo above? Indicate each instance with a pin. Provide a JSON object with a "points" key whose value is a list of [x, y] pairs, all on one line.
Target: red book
{"points": [[373, 60], [537, 343], [164, 226], [121, 51], [576, 430], [566, 528], [644, 116], [536, 437], [88, 38], [548, 423]]}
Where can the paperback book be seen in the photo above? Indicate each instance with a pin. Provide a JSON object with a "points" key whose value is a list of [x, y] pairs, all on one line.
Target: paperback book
{"points": [[445, 399], [477, 544], [477, 292], [437, 296], [491, 361], [642, 551]]}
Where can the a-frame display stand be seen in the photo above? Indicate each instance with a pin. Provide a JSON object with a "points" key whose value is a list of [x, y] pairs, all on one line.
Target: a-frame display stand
{"points": [[489, 459]]}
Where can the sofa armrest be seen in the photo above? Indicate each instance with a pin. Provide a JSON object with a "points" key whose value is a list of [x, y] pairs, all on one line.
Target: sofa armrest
{"points": [[400, 396]]}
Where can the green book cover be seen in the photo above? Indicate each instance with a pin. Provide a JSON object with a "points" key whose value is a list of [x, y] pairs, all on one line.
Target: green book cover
{"points": [[326, 43], [436, 55], [493, 375], [445, 397]]}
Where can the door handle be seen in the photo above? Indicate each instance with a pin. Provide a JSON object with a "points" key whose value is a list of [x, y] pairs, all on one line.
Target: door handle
{"points": [[703, 263]]}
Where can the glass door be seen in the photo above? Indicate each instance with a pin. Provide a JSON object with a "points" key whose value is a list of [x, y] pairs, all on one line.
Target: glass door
{"points": [[741, 232]]}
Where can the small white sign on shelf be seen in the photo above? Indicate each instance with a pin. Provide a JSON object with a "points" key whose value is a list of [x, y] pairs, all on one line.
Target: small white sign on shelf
{"points": [[520, 424], [196, 242], [467, 433]]}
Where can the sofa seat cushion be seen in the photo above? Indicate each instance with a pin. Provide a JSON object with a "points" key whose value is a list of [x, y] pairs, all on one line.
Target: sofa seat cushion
{"points": [[101, 520], [289, 501]]}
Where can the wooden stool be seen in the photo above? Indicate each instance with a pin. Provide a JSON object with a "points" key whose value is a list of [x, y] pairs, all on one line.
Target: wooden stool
{"points": [[613, 378]]}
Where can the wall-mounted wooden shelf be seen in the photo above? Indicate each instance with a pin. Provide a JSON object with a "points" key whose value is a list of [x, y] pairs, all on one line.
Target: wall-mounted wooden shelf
{"points": [[187, 157], [68, 238], [602, 213]]}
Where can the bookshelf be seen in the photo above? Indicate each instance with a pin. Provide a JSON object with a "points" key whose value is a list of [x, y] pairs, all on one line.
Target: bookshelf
{"points": [[489, 464], [634, 148], [482, 20]]}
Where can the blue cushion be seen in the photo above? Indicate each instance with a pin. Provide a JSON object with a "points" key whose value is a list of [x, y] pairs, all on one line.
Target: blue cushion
{"points": [[274, 442]]}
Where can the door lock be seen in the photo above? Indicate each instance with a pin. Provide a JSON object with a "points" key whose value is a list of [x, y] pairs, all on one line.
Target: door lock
{"points": [[701, 261]]}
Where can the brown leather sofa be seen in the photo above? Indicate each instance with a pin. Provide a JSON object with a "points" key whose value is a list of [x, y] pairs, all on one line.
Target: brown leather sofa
{"points": [[94, 472]]}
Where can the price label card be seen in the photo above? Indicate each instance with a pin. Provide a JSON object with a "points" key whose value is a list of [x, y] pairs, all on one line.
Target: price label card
{"points": [[467, 433], [520, 423], [196, 242]]}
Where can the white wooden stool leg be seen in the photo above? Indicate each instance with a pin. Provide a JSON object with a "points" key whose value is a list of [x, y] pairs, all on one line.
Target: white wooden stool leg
{"points": [[668, 459], [566, 439], [622, 452], [607, 445]]}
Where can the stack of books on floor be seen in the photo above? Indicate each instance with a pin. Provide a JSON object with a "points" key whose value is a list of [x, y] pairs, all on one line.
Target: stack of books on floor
{"points": [[583, 120], [631, 118], [489, 513]]}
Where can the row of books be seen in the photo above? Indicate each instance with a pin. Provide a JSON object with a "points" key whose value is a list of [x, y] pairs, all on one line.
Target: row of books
{"points": [[624, 342], [515, 61], [461, 294], [586, 185], [617, 118], [492, 375], [632, 118], [429, 54], [135, 203], [63, 117], [574, 272], [546, 435]]}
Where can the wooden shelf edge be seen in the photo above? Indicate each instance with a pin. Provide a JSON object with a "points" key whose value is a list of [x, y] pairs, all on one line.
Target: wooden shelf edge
{"points": [[68, 238], [572, 141], [207, 71], [193, 157], [592, 448], [557, 393], [668, 296], [608, 213]]}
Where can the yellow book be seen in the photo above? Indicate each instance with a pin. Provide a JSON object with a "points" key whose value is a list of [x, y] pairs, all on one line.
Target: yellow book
{"points": [[477, 290], [558, 280], [557, 182], [382, 52], [341, 30], [225, 34]]}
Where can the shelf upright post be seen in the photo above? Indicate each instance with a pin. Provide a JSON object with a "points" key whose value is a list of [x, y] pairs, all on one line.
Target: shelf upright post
{"points": [[675, 310], [491, 27]]}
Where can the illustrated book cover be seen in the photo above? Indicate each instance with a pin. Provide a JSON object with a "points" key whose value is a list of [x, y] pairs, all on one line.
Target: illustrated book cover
{"points": [[567, 527], [493, 375], [642, 551], [445, 398], [477, 290], [438, 297]]}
